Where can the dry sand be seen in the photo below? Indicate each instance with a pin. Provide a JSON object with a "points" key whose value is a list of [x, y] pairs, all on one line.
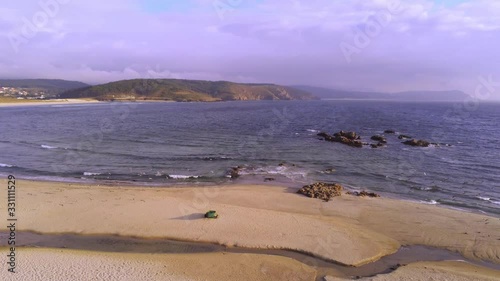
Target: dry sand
{"points": [[172, 213], [348, 229], [475, 236]]}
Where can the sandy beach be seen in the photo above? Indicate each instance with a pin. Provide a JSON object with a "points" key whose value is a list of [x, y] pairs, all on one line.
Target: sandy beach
{"points": [[347, 230], [15, 102]]}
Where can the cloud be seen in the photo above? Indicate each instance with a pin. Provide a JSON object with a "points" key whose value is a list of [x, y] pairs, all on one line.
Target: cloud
{"points": [[422, 44]]}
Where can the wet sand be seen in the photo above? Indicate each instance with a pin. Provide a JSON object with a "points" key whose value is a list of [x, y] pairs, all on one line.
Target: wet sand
{"points": [[448, 270], [121, 244]]}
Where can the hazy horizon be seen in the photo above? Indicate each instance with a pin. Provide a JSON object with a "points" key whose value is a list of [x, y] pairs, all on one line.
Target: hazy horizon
{"points": [[377, 45]]}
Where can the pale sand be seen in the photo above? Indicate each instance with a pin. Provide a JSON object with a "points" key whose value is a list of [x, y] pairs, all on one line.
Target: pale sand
{"points": [[348, 229], [449, 270], [16, 103], [162, 212], [475, 236], [64, 265]]}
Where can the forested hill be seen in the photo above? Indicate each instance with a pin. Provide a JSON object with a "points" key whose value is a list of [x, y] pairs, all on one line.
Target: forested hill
{"points": [[186, 90], [52, 85]]}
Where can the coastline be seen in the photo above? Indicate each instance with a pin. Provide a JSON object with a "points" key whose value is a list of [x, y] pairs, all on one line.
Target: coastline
{"points": [[17, 103], [347, 230]]}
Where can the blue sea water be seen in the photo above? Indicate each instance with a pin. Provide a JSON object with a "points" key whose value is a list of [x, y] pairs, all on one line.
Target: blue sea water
{"points": [[197, 143]]}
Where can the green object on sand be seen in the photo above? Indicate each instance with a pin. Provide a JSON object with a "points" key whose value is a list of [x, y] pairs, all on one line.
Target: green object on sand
{"points": [[211, 214]]}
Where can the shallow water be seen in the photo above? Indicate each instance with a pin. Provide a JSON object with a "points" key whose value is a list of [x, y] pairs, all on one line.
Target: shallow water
{"points": [[110, 243], [196, 143]]}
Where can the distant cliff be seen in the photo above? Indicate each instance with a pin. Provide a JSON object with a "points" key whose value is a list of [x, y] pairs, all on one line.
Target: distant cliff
{"points": [[186, 90]]}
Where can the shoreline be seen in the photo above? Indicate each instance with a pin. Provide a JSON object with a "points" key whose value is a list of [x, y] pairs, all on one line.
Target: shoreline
{"points": [[257, 182], [19, 103], [347, 230]]}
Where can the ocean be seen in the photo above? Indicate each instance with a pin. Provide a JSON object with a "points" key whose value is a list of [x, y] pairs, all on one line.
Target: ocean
{"points": [[198, 144]]}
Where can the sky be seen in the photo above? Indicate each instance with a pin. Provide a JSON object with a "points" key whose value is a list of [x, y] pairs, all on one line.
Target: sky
{"points": [[370, 45]]}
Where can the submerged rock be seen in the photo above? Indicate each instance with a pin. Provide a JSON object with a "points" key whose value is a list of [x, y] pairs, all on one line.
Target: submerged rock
{"points": [[324, 135], [234, 172], [380, 139], [283, 164], [389, 132], [415, 142], [363, 193], [321, 190], [405, 137], [269, 179], [377, 145]]}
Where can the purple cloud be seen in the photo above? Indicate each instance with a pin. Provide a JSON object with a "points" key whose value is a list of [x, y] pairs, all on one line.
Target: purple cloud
{"points": [[419, 45]]}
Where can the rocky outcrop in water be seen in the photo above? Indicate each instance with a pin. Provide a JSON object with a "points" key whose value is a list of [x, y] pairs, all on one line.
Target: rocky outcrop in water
{"points": [[349, 135], [377, 145], [354, 140], [234, 172], [420, 143], [404, 137], [380, 139], [348, 138], [321, 190]]}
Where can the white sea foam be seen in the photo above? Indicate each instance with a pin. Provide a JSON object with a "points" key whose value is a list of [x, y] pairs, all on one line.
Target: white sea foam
{"points": [[495, 202], [290, 172], [6, 165], [182, 177], [91, 174], [484, 198], [48, 146], [430, 202], [312, 131], [57, 179]]}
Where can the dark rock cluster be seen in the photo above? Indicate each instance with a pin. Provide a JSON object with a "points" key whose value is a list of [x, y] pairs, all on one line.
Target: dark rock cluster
{"points": [[414, 142], [404, 137], [321, 190], [354, 140], [377, 145], [379, 138], [234, 172], [348, 138]]}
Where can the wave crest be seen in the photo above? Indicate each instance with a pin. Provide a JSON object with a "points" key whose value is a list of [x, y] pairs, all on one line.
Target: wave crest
{"points": [[48, 146]]}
